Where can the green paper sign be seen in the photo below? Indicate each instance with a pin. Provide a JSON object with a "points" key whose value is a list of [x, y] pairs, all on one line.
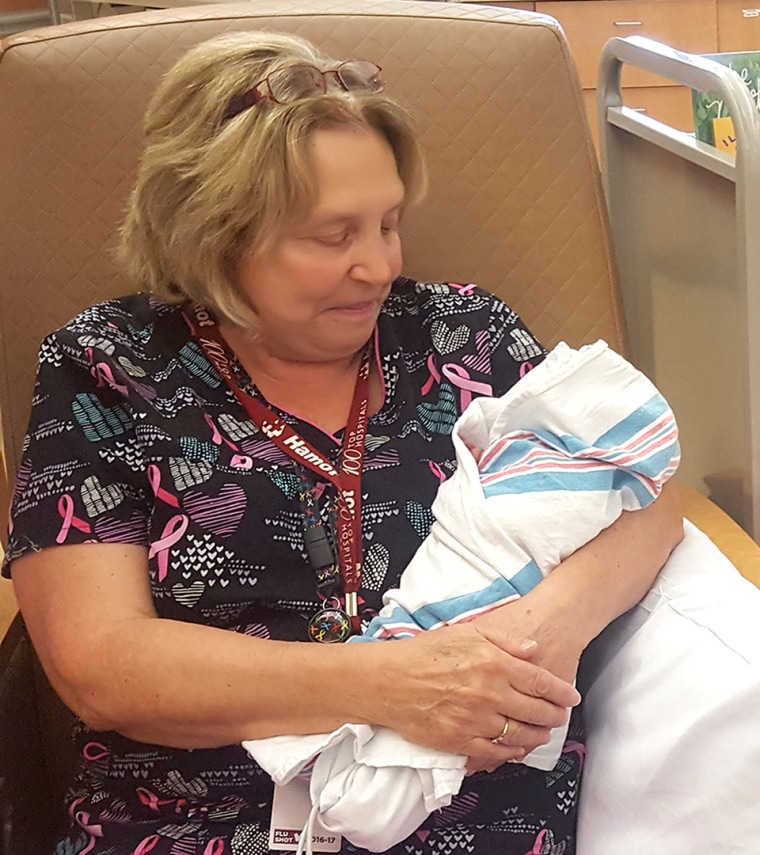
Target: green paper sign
{"points": [[708, 108]]}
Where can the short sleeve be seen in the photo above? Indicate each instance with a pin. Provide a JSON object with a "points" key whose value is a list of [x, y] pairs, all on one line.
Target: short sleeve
{"points": [[81, 477]]}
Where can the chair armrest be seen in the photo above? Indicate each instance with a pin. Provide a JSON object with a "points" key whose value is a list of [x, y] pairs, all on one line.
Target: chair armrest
{"points": [[729, 537], [8, 606]]}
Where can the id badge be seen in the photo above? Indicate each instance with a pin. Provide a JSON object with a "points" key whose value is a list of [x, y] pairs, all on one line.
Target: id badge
{"points": [[290, 812]]}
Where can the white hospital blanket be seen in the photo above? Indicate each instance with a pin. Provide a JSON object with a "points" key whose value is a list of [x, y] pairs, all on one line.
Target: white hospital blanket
{"points": [[581, 438]]}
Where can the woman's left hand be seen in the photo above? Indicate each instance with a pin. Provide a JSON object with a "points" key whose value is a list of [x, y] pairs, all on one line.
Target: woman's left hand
{"points": [[519, 622], [586, 592]]}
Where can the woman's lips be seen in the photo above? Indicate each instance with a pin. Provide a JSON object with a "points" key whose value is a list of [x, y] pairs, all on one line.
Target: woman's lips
{"points": [[355, 309]]}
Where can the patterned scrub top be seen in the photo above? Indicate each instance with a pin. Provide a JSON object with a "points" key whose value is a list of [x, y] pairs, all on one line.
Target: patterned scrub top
{"points": [[135, 438]]}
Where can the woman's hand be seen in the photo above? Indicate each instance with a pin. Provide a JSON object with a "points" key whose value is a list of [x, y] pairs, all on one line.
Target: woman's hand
{"points": [[587, 591], [557, 655], [454, 688], [557, 651]]}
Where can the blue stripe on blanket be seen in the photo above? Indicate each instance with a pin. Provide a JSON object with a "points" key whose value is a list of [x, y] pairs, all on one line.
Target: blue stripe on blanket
{"points": [[550, 452], [525, 580], [632, 435], [637, 454], [400, 622], [570, 480], [639, 420]]}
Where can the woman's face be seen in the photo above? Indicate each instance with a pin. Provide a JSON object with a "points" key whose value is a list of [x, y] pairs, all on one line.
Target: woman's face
{"points": [[319, 289]]}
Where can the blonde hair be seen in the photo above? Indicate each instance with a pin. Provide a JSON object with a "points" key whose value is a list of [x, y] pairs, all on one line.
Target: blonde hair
{"points": [[210, 189]]}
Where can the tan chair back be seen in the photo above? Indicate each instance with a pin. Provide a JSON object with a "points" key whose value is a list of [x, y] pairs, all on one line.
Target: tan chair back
{"points": [[515, 202]]}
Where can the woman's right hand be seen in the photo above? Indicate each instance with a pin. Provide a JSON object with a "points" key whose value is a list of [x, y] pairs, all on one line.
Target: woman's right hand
{"points": [[454, 688]]}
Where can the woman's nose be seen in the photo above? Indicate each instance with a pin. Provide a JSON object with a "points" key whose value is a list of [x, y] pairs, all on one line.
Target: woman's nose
{"points": [[377, 259]]}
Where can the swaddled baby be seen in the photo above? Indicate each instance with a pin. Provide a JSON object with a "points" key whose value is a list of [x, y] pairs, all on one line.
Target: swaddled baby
{"points": [[579, 439]]}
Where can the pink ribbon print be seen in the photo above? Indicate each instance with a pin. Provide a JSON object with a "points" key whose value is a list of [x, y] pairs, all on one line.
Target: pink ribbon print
{"points": [[464, 290], [82, 819], [70, 520], [95, 751], [239, 461], [154, 478], [172, 533], [146, 845], [460, 377], [213, 847], [216, 436], [103, 374], [152, 801], [437, 471]]}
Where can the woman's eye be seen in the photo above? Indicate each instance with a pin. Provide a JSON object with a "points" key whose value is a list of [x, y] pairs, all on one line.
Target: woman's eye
{"points": [[333, 239]]}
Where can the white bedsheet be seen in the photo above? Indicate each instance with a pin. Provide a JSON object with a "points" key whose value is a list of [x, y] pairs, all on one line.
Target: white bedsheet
{"points": [[673, 716]]}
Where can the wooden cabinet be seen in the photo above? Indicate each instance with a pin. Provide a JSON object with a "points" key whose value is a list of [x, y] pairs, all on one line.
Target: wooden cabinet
{"points": [[695, 26], [10, 6], [688, 25], [738, 25]]}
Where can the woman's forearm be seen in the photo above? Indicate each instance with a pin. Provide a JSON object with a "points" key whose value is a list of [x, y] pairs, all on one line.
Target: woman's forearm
{"points": [[611, 573], [600, 581], [120, 667], [193, 686], [444, 689]]}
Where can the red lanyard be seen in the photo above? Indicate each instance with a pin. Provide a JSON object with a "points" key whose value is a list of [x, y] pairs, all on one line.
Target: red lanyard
{"points": [[347, 478]]}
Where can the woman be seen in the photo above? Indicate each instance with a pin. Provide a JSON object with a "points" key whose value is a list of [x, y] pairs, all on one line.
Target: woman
{"points": [[248, 457]]}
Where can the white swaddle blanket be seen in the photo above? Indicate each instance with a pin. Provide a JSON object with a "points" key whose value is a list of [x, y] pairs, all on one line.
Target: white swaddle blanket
{"points": [[579, 439]]}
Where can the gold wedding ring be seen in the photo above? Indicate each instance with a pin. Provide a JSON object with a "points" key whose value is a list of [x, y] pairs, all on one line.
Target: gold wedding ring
{"points": [[503, 735]]}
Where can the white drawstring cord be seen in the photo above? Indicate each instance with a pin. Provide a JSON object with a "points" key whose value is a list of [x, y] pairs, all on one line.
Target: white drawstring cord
{"points": [[307, 835]]}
